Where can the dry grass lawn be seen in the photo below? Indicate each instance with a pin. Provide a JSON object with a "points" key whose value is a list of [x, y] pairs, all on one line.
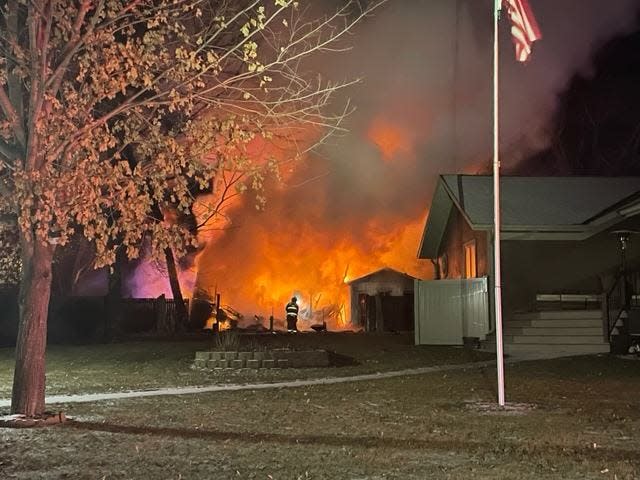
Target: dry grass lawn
{"points": [[155, 364], [583, 423]]}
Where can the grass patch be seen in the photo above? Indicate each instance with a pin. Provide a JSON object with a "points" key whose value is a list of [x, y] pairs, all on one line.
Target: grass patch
{"points": [[584, 425], [154, 364]]}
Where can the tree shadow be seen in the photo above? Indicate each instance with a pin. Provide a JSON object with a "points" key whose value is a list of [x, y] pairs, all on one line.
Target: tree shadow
{"points": [[467, 446], [340, 360]]}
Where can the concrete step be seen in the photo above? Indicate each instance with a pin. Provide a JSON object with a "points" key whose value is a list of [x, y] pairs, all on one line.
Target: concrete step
{"points": [[548, 330], [568, 301], [549, 350], [552, 330], [555, 323], [558, 315], [568, 297], [556, 339], [547, 306]]}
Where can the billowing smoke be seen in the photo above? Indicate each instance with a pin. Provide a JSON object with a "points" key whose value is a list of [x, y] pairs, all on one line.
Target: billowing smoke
{"points": [[423, 108]]}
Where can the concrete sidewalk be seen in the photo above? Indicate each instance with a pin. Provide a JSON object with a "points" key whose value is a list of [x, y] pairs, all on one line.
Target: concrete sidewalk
{"points": [[97, 397]]}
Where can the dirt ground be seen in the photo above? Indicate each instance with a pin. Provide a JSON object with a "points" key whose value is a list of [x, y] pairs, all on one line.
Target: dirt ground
{"points": [[575, 418]]}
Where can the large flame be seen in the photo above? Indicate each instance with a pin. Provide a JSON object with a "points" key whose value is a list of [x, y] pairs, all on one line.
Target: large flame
{"points": [[259, 270], [302, 244]]}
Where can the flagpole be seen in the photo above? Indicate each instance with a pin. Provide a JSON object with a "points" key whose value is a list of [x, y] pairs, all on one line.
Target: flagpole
{"points": [[496, 208]]}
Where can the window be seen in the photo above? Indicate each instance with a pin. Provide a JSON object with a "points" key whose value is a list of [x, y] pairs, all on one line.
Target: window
{"points": [[470, 270], [444, 265]]}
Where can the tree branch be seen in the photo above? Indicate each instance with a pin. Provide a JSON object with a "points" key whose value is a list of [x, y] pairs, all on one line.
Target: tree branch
{"points": [[72, 45], [12, 115], [14, 93]]}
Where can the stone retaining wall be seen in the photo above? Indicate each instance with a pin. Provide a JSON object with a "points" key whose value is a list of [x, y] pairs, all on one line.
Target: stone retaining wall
{"points": [[282, 358]]}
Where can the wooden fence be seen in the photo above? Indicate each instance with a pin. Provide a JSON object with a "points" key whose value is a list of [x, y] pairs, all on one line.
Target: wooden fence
{"points": [[92, 319]]}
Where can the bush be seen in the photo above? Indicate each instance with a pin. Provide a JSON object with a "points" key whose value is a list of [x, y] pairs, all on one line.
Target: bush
{"points": [[227, 340]]}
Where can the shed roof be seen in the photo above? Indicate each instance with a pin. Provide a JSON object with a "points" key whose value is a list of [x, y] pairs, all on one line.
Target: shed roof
{"points": [[531, 207], [378, 272]]}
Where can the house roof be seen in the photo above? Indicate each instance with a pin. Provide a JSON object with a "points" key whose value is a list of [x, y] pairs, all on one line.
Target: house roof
{"points": [[531, 207], [377, 272]]}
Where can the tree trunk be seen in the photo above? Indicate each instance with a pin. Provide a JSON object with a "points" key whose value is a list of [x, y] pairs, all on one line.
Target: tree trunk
{"points": [[114, 306], [174, 281], [27, 396]]}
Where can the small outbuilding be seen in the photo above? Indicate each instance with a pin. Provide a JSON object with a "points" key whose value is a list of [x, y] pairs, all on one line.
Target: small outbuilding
{"points": [[382, 301]]}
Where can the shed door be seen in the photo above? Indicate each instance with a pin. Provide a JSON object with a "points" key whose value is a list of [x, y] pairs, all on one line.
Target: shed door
{"points": [[398, 313], [447, 310]]}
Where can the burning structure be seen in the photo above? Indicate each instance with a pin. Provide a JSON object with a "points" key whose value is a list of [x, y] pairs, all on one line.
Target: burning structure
{"points": [[382, 301]]}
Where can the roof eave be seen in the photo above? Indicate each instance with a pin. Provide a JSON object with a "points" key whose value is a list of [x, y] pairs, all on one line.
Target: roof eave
{"points": [[437, 220]]}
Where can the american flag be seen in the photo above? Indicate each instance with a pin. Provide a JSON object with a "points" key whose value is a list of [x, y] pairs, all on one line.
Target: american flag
{"points": [[524, 28]]}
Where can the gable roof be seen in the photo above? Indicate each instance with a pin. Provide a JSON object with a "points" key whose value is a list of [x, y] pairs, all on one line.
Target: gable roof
{"points": [[382, 270], [548, 208]]}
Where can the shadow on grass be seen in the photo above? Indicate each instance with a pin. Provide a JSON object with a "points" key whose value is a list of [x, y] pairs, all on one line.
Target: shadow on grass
{"points": [[340, 360], [499, 447]]}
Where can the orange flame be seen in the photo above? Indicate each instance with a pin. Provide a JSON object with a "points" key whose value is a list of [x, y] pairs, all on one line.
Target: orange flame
{"points": [[295, 249], [267, 266]]}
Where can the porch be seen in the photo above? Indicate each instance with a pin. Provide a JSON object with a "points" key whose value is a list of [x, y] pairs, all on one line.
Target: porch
{"points": [[458, 312], [577, 324], [553, 332]]}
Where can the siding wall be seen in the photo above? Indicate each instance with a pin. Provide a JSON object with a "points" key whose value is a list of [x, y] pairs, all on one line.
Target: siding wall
{"points": [[448, 310], [457, 234]]}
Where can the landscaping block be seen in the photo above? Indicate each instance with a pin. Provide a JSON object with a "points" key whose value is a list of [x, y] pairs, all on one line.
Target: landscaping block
{"points": [[280, 353], [265, 359], [203, 356], [268, 363], [217, 355], [230, 355], [245, 356], [239, 363], [253, 363]]}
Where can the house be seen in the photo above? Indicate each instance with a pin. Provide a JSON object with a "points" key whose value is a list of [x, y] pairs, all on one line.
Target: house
{"points": [[560, 254], [382, 301]]}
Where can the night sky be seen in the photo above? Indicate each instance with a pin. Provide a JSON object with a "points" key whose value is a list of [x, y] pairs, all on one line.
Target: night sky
{"points": [[596, 126]]}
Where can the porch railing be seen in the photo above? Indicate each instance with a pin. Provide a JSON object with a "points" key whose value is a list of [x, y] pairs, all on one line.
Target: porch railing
{"points": [[623, 295]]}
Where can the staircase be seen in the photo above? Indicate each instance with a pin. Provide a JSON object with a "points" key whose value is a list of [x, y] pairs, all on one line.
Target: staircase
{"points": [[552, 333]]}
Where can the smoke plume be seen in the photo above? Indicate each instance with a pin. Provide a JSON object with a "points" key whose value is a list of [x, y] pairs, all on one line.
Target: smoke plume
{"points": [[423, 108]]}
